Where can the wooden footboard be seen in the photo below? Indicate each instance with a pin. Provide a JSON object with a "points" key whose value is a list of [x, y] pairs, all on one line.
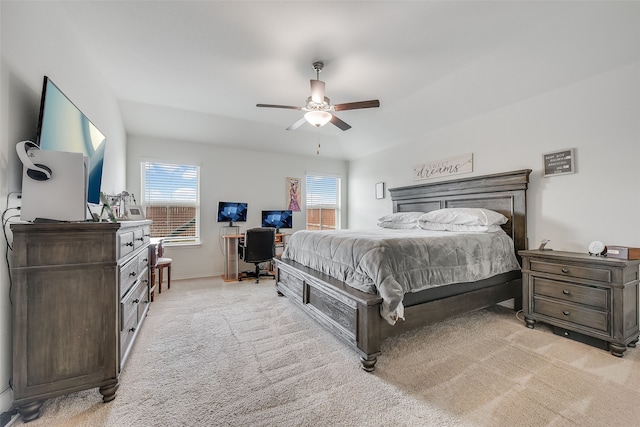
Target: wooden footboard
{"points": [[348, 313], [355, 317]]}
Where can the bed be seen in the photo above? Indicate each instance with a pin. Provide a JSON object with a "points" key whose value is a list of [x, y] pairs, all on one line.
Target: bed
{"points": [[355, 315]]}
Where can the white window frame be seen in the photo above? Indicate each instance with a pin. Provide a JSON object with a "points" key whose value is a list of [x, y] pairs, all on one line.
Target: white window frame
{"points": [[338, 199], [173, 241]]}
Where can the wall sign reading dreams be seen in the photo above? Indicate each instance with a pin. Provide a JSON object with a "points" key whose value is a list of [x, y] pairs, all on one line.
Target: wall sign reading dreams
{"points": [[446, 167]]}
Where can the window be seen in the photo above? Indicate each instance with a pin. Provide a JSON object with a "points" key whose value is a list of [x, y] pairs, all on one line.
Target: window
{"points": [[172, 200], [323, 202]]}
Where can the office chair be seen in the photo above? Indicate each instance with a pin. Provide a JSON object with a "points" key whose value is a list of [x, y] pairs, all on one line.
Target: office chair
{"points": [[259, 246]]}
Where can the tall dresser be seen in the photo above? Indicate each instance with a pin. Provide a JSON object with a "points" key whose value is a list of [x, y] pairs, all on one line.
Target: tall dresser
{"points": [[80, 292]]}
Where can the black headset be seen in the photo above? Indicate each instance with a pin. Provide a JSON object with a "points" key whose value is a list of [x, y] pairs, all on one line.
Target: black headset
{"points": [[36, 171]]}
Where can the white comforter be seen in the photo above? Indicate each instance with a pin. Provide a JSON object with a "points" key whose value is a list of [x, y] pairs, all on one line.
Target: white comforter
{"points": [[393, 262]]}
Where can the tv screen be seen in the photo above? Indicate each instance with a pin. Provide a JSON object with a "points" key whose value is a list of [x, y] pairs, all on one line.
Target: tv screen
{"points": [[232, 212], [277, 219], [63, 127]]}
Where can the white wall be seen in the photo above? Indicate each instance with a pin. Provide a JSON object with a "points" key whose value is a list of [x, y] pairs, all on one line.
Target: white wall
{"points": [[227, 174], [30, 52], [599, 117]]}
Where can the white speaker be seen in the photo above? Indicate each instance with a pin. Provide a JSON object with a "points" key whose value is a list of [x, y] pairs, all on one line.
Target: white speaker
{"points": [[62, 196]]}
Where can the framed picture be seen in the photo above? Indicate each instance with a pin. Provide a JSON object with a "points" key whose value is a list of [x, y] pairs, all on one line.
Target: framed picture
{"points": [[380, 190], [293, 194], [558, 162], [134, 212]]}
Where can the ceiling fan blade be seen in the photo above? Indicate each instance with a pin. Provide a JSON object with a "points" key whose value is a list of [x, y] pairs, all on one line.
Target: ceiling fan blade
{"points": [[317, 91], [279, 106], [297, 124], [339, 123], [374, 103]]}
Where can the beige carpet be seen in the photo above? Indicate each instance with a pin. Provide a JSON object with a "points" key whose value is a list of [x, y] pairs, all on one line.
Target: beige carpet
{"points": [[234, 354]]}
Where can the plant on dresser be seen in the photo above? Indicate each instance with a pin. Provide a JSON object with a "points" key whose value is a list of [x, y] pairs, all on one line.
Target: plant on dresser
{"points": [[590, 298], [80, 293]]}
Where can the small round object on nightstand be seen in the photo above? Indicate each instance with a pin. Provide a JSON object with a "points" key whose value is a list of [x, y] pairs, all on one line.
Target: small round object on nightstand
{"points": [[597, 248]]}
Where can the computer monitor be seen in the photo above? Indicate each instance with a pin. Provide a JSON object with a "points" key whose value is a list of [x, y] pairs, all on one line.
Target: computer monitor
{"points": [[277, 219], [232, 212]]}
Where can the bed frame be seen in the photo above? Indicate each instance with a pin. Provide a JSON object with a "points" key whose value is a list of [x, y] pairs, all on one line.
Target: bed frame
{"points": [[355, 317]]}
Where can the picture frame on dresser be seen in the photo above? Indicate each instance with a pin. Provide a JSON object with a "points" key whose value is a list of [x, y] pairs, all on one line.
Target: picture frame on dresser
{"points": [[134, 212]]}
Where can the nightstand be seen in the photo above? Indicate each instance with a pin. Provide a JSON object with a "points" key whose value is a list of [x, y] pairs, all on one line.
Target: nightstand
{"points": [[587, 298]]}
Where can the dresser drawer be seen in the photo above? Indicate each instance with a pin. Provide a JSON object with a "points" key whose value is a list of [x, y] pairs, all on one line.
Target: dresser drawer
{"points": [[574, 271], [125, 244], [138, 238], [581, 316], [143, 296], [128, 275], [126, 335], [129, 307], [143, 260], [585, 295]]}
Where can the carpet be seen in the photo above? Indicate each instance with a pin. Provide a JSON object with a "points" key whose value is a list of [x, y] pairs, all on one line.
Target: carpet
{"points": [[212, 353]]}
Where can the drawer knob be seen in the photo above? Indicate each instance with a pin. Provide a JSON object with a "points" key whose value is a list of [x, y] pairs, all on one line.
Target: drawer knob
{"points": [[565, 312], [132, 330], [132, 274], [565, 270], [135, 301], [566, 292], [129, 244]]}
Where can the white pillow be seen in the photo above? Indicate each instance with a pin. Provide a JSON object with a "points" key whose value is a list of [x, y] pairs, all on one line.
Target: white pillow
{"points": [[465, 216], [438, 226], [398, 225], [402, 217]]}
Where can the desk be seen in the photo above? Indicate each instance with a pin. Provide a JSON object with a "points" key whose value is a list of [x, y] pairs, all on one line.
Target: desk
{"points": [[231, 256]]}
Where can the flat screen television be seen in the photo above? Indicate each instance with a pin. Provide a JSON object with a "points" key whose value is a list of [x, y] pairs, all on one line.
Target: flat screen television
{"points": [[232, 212], [63, 127], [278, 219]]}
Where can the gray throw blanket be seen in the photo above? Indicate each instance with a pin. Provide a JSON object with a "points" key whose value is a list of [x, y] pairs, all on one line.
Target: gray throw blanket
{"points": [[394, 262]]}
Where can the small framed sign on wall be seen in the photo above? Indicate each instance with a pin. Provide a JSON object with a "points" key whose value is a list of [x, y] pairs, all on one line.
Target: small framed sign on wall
{"points": [[559, 162]]}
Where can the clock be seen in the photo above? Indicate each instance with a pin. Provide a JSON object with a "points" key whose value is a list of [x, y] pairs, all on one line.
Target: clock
{"points": [[597, 248]]}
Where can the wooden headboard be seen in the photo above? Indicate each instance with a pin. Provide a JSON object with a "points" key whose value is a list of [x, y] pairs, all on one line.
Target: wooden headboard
{"points": [[501, 192]]}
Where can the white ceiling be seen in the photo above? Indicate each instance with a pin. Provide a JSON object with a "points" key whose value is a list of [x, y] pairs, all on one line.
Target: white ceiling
{"points": [[194, 70]]}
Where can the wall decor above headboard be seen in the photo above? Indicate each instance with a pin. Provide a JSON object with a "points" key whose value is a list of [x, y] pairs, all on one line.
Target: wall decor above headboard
{"points": [[445, 167]]}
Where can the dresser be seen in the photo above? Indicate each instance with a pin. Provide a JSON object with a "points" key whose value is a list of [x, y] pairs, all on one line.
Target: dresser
{"points": [[80, 292], [588, 298]]}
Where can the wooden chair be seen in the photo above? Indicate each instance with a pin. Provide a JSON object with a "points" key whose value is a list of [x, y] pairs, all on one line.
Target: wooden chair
{"points": [[160, 264]]}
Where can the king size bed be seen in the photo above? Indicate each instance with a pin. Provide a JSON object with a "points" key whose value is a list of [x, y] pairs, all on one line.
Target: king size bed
{"points": [[366, 286]]}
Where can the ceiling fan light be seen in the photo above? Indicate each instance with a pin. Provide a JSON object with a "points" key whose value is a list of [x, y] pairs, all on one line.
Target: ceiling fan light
{"points": [[318, 118]]}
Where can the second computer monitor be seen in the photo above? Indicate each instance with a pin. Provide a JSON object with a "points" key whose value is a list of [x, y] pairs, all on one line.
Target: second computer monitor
{"points": [[277, 219]]}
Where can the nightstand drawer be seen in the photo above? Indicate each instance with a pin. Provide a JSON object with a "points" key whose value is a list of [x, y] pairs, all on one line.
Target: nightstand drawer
{"points": [[586, 295], [591, 273], [593, 319]]}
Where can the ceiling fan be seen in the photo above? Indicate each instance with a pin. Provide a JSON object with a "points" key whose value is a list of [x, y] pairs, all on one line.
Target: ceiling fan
{"points": [[319, 110]]}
